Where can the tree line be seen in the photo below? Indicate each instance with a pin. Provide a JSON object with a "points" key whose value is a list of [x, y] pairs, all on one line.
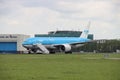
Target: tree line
{"points": [[101, 46]]}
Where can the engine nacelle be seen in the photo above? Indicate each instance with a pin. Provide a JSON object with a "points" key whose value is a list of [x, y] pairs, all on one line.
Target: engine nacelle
{"points": [[66, 47]]}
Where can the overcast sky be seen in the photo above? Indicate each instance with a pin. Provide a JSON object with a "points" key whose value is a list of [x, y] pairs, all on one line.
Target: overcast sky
{"points": [[41, 16]]}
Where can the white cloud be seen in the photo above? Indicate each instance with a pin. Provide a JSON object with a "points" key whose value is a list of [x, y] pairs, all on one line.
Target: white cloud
{"points": [[41, 16]]}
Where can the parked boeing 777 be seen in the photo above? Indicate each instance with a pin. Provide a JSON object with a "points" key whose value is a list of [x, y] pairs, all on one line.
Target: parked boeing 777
{"points": [[51, 44]]}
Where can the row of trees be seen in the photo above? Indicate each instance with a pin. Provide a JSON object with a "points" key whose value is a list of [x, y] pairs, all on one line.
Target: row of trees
{"points": [[101, 46]]}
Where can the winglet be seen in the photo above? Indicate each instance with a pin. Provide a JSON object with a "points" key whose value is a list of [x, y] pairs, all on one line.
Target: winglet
{"points": [[85, 32]]}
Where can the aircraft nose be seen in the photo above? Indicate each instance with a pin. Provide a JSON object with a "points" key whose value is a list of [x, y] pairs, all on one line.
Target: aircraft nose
{"points": [[25, 43]]}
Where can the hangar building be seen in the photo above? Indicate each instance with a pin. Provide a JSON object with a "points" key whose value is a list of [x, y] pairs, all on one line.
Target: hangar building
{"points": [[12, 43], [63, 33]]}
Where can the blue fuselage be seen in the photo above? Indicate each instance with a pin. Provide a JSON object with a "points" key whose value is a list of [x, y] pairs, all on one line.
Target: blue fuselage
{"points": [[54, 40]]}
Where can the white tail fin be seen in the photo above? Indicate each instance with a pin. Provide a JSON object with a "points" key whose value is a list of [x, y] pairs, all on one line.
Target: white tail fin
{"points": [[85, 32]]}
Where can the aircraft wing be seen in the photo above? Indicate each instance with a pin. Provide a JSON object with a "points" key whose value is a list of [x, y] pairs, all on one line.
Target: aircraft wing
{"points": [[82, 43], [91, 41], [79, 43], [75, 43]]}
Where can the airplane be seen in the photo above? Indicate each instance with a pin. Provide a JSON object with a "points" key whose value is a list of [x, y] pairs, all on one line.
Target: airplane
{"points": [[48, 45]]}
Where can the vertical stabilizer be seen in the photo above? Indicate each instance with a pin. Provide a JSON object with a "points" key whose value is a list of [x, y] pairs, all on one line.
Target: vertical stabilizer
{"points": [[85, 32]]}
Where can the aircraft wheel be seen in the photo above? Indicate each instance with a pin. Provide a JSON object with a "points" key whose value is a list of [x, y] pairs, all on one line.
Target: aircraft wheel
{"points": [[69, 52], [29, 52], [52, 52]]}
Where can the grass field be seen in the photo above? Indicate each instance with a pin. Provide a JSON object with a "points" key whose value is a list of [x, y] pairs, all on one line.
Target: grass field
{"points": [[59, 67]]}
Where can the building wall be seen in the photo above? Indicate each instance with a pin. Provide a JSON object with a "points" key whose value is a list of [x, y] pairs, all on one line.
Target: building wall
{"points": [[64, 34], [18, 38]]}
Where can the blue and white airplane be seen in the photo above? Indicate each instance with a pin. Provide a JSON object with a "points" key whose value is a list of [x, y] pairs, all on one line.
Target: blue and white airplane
{"points": [[51, 44]]}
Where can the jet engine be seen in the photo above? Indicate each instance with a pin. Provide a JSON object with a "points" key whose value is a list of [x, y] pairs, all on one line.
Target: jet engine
{"points": [[65, 47]]}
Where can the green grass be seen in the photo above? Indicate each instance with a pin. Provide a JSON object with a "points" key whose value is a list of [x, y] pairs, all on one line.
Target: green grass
{"points": [[59, 67]]}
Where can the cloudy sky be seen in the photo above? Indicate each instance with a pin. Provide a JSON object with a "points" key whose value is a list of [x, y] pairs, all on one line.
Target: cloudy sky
{"points": [[41, 16]]}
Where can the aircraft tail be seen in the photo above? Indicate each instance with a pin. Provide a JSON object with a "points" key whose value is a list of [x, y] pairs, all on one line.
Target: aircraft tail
{"points": [[85, 32]]}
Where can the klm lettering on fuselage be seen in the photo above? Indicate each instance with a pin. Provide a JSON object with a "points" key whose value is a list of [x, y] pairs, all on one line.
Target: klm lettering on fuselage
{"points": [[8, 36]]}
